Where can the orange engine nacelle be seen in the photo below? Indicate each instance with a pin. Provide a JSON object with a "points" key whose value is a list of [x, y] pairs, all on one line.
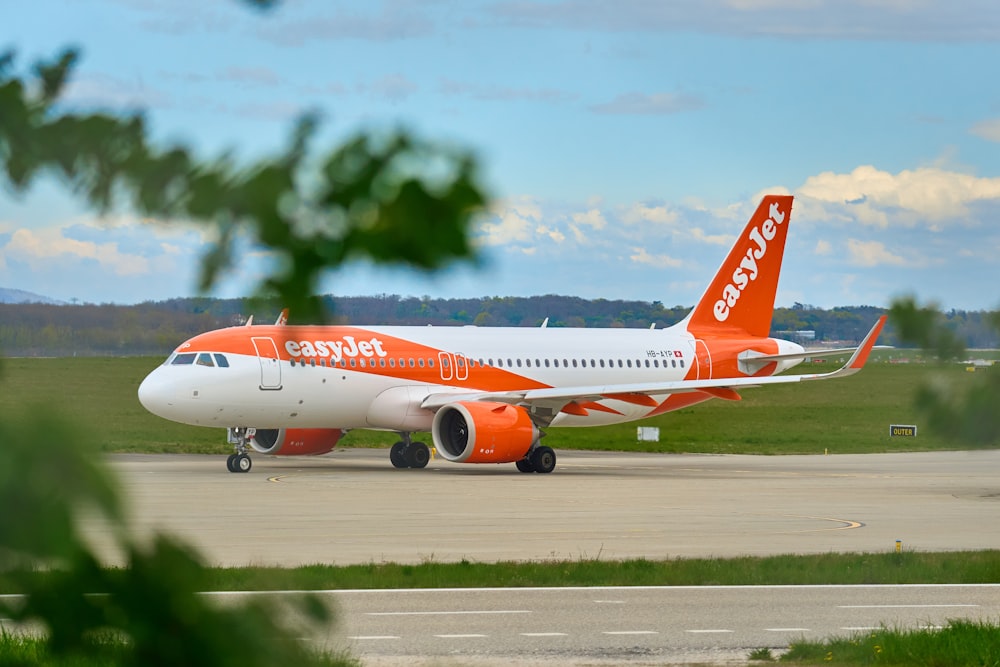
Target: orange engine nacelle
{"points": [[295, 441], [483, 432]]}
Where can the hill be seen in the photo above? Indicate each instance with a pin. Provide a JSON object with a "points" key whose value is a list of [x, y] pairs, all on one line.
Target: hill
{"points": [[20, 296], [155, 328]]}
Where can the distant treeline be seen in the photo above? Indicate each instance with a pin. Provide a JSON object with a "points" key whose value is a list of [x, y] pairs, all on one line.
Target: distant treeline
{"points": [[155, 328]]}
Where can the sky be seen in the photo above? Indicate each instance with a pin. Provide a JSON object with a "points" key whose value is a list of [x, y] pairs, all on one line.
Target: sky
{"points": [[624, 143]]}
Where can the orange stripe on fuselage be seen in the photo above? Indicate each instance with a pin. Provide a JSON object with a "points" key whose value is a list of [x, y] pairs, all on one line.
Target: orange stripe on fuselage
{"points": [[343, 345]]}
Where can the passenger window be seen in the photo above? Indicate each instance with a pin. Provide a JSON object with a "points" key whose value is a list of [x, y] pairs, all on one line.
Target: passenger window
{"points": [[221, 361], [185, 359]]}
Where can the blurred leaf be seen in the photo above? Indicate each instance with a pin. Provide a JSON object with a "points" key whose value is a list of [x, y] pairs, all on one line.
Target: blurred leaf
{"points": [[925, 327], [49, 473], [970, 417], [394, 199]]}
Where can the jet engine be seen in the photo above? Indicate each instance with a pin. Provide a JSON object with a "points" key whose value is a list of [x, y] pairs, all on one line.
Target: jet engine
{"points": [[295, 441], [473, 432]]}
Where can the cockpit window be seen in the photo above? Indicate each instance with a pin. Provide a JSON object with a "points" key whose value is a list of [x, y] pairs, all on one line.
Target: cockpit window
{"points": [[221, 361], [185, 359], [205, 359]]}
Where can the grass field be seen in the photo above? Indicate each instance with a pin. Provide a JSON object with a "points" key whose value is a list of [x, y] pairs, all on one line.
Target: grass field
{"points": [[850, 415]]}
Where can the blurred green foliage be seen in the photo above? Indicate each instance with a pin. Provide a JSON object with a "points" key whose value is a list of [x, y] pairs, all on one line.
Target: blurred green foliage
{"points": [[385, 197], [969, 415], [390, 198]]}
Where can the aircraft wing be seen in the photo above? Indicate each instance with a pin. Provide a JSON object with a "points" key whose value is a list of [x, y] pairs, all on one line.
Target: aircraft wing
{"points": [[639, 393]]}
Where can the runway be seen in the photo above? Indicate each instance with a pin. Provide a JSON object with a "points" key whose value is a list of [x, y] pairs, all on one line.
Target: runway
{"points": [[353, 507]]}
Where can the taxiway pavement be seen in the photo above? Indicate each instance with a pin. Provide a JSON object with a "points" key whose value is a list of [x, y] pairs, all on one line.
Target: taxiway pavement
{"points": [[353, 507]]}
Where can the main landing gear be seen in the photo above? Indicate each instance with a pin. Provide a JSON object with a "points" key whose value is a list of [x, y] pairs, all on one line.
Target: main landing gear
{"points": [[240, 460], [540, 459], [407, 454]]}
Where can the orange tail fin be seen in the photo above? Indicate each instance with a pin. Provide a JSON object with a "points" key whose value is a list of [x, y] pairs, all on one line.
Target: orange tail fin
{"points": [[741, 297]]}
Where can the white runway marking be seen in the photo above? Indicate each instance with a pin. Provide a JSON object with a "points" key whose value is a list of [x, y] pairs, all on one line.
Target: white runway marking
{"points": [[708, 631], [788, 629], [903, 606], [447, 613]]}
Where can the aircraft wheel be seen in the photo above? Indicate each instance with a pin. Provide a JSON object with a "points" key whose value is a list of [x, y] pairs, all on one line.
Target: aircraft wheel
{"points": [[543, 460], [524, 465], [418, 455], [397, 455], [231, 463], [242, 463]]}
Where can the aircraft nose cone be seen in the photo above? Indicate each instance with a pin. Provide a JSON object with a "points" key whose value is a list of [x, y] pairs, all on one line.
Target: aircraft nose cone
{"points": [[154, 394]]}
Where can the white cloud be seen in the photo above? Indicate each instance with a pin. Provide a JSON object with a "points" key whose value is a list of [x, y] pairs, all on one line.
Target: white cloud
{"points": [[906, 20], [510, 226], [871, 254], [643, 256], [698, 234], [101, 90], [592, 218], [649, 104], [823, 247], [553, 234], [39, 248], [920, 197], [660, 215], [987, 129]]}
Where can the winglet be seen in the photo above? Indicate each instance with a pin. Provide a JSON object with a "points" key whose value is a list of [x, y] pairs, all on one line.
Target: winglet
{"points": [[282, 318], [860, 356]]}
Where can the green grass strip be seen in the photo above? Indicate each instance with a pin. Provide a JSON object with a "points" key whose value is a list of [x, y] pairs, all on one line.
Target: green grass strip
{"points": [[965, 567], [961, 643]]}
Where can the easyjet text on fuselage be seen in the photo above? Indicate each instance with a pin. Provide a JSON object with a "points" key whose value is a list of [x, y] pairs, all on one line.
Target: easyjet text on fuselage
{"points": [[345, 347]]}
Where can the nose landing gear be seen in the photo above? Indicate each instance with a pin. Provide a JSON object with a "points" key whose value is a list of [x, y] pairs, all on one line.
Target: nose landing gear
{"points": [[240, 460]]}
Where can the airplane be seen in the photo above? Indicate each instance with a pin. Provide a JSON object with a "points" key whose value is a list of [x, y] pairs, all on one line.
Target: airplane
{"points": [[486, 394]]}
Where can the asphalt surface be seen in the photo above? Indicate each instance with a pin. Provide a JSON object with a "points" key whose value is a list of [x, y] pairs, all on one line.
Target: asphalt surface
{"points": [[353, 507]]}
